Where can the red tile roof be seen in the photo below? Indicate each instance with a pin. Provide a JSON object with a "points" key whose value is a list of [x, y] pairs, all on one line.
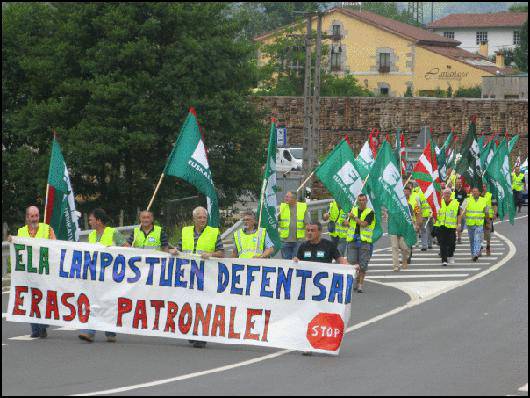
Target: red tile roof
{"points": [[459, 54], [499, 19], [402, 29]]}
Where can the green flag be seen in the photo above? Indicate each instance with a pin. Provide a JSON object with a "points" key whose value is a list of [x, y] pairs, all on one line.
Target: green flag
{"points": [[189, 161], [448, 141], [60, 202], [499, 181], [469, 164], [385, 189], [267, 207], [512, 143], [364, 161], [486, 154], [341, 178]]}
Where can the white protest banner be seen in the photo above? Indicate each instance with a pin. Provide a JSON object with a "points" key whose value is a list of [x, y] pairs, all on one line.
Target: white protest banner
{"points": [[275, 303]]}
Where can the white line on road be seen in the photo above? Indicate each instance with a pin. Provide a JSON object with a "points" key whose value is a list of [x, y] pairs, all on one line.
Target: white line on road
{"points": [[23, 338], [401, 276], [428, 270]]}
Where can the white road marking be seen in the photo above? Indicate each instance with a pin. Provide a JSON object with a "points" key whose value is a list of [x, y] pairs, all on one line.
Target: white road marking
{"points": [[65, 328], [415, 300], [23, 338], [401, 276], [524, 388], [414, 263], [6, 292], [428, 270]]}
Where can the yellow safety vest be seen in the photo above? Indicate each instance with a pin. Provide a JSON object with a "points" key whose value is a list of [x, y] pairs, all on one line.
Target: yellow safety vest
{"points": [[488, 196], [448, 214], [107, 238], [425, 207], [517, 182], [43, 232], [413, 202], [338, 216], [366, 232], [285, 220], [151, 241], [475, 211], [250, 245], [205, 243]]}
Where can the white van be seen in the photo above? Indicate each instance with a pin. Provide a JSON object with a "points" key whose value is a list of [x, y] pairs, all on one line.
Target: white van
{"points": [[289, 159]]}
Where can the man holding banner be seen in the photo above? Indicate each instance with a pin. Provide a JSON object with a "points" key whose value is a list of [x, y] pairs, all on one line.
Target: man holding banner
{"points": [[35, 229], [251, 242]]}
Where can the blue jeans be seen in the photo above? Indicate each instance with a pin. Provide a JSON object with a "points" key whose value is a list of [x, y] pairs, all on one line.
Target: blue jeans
{"points": [[92, 332], [37, 327], [475, 239], [289, 250]]}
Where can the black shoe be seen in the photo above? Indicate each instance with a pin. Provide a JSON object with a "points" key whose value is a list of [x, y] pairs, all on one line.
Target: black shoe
{"points": [[430, 247], [307, 353], [43, 333], [34, 335], [444, 264], [423, 250], [475, 259], [199, 344], [359, 290]]}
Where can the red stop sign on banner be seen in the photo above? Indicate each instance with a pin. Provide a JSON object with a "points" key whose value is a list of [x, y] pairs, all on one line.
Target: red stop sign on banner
{"points": [[325, 332]]}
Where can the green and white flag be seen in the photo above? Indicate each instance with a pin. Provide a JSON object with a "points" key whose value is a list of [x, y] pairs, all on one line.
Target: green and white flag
{"points": [[267, 207], [486, 154], [385, 188], [499, 181], [469, 164], [189, 161], [60, 203], [512, 143], [364, 161], [341, 178]]}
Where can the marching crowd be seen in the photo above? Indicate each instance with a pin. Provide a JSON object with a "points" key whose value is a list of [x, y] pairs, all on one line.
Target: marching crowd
{"points": [[351, 232]]}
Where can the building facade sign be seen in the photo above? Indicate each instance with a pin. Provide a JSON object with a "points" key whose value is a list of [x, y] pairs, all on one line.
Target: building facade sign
{"points": [[447, 74]]}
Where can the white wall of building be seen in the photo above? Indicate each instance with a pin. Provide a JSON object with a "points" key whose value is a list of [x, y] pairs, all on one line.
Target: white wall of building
{"points": [[498, 38]]}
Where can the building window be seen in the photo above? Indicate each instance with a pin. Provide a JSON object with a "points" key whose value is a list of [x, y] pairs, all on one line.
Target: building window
{"points": [[516, 37], [449, 35], [336, 32], [383, 91], [336, 52], [384, 62], [482, 37]]}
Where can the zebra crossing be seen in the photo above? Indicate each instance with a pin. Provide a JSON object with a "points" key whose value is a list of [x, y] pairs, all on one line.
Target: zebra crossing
{"points": [[426, 275]]}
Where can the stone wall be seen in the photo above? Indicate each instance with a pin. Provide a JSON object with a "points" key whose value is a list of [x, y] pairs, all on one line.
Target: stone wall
{"points": [[356, 116]]}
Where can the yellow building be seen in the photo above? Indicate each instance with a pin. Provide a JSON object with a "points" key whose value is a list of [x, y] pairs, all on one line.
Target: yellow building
{"points": [[387, 56]]}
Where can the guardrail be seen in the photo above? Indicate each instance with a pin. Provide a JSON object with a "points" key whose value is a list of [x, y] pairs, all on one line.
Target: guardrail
{"points": [[316, 209]]}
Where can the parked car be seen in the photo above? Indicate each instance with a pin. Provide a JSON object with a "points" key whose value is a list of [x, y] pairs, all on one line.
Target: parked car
{"points": [[289, 159]]}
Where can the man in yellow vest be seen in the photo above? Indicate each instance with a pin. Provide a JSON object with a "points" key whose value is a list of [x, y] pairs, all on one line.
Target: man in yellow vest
{"points": [[35, 229], [476, 210], [148, 235], [251, 242], [360, 233], [518, 186], [106, 236], [203, 240], [339, 232], [447, 223], [200, 238], [492, 205], [291, 224]]}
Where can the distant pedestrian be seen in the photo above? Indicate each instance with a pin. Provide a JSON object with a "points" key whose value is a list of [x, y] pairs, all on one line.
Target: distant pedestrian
{"points": [[460, 194], [476, 212], [360, 238], [291, 224], [447, 222], [339, 230], [518, 187]]}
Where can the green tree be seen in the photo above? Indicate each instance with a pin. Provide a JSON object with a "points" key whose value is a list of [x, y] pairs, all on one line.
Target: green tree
{"points": [[449, 92], [521, 51], [519, 7], [469, 92], [116, 81], [408, 92]]}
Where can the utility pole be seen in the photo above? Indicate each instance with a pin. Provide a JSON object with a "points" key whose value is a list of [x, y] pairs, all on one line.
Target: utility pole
{"points": [[308, 147], [315, 125]]}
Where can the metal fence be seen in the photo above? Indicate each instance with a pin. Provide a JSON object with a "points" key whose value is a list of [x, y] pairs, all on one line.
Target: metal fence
{"points": [[316, 209]]}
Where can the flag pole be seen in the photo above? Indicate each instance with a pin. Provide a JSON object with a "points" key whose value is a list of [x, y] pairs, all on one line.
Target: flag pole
{"points": [[156, 191], [408, 180], [305, 181], [48, 185]]}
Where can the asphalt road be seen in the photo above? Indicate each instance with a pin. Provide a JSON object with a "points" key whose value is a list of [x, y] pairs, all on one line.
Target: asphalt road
{"points": [[471, 340]]}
